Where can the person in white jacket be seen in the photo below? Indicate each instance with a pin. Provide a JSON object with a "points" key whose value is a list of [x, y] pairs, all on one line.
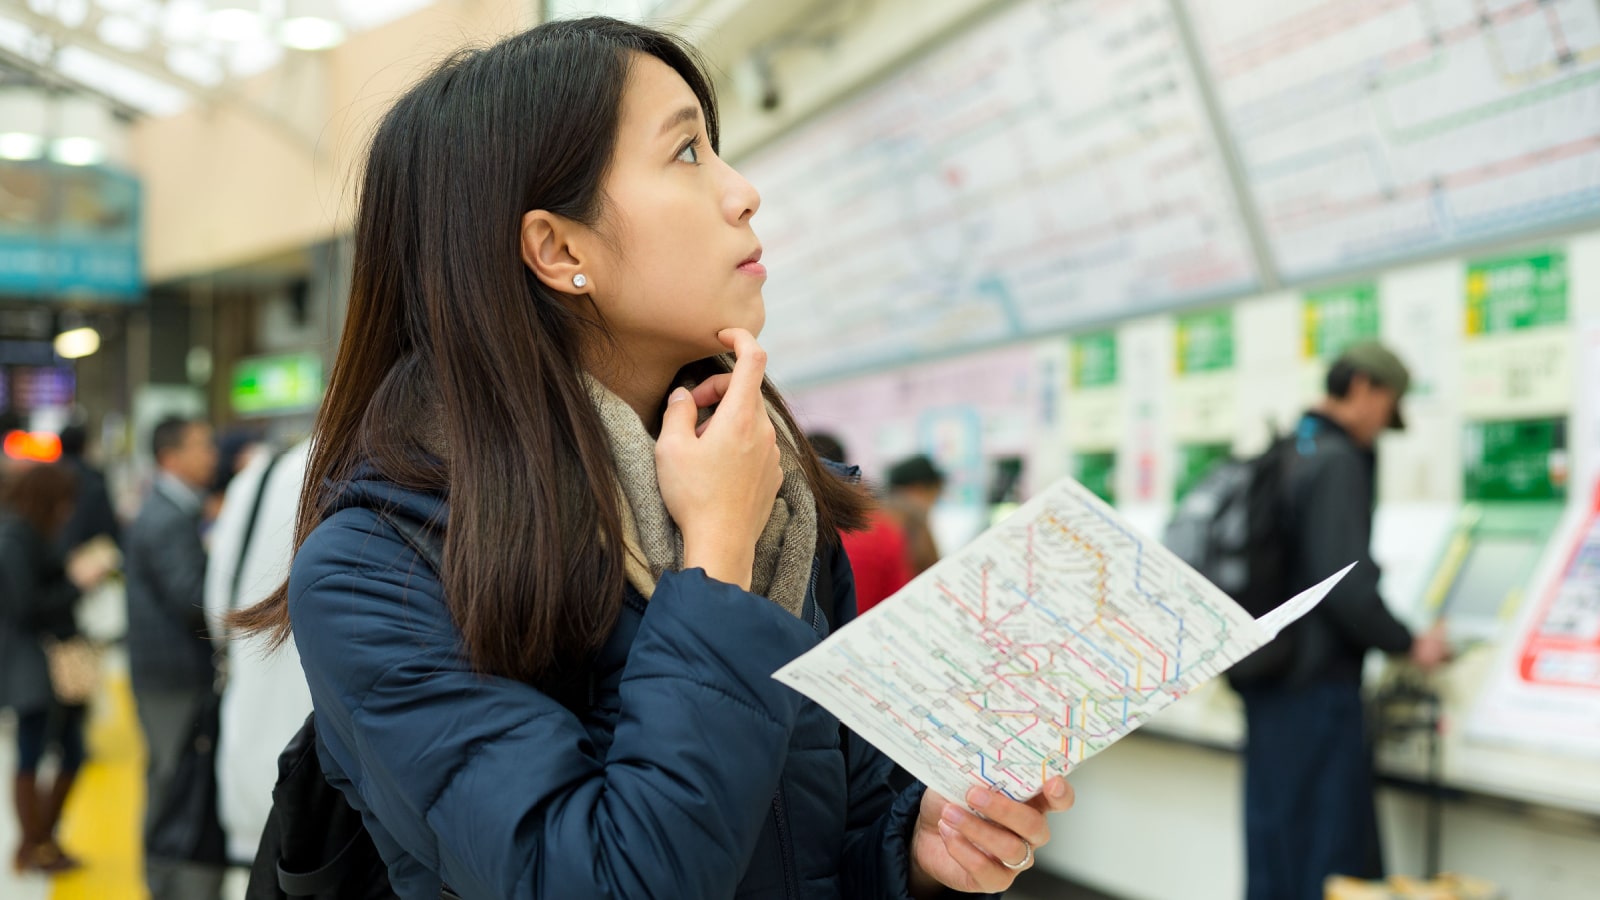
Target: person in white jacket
{"points": [[265, 699]]}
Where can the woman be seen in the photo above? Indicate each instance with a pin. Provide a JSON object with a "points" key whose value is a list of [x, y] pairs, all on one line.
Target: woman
{"points": [[36, 606], [551, 262]]}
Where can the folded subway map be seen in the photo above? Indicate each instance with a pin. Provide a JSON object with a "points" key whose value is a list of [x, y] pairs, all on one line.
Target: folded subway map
{"points": [[1040, 644]]}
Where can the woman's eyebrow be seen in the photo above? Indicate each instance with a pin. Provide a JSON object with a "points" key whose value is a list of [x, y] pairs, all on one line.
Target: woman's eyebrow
{"points": [[686, 114]]}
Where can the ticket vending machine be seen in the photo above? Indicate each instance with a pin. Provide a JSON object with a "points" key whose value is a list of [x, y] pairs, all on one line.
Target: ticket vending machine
{"points": [[1515, 490], [1515, 486], [1487, 567]]}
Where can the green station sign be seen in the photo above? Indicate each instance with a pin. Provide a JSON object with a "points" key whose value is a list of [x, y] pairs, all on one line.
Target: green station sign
{"points": [[285, 383], [1334, 319], [1205, 342], [1516, 293], [1524, 460], [1094, 360]]}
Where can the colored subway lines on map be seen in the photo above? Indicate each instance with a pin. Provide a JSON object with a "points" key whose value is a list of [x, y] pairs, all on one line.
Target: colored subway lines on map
{"points": [[1058, 632]]}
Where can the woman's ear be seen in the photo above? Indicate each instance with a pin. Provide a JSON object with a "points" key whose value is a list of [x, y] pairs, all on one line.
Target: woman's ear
{"points": [[550, 252]]}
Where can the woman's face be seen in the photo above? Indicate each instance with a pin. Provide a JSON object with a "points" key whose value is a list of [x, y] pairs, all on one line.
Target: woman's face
{"points": [[676, 263]]}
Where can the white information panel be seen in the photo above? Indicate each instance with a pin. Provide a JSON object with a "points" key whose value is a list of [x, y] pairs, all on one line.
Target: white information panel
{"points": [[1373, 130], [1049, 167]]}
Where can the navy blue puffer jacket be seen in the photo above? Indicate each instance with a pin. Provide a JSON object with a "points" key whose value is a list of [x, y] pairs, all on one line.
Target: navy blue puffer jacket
{"points": [[693, 774]]}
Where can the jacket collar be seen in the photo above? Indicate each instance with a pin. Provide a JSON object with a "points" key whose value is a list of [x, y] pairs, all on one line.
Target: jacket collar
{"points": [[184, 497], [1320, 424], [1315, 427]]}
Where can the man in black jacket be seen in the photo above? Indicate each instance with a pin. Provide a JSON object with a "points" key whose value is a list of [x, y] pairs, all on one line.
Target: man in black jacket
{"points": [[1309, 809], [169, 651], [92, 513]]}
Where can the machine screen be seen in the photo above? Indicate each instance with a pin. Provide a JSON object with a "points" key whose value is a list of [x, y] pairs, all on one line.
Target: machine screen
{"points": [[1495, 566]]}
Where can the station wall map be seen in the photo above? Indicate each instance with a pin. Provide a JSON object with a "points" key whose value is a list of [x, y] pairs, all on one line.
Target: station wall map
{"points": [[1374, 130], [1049, 167]]}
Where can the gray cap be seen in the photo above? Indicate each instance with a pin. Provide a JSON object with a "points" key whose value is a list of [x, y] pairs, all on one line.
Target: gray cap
{"points": [[1382, 368]]}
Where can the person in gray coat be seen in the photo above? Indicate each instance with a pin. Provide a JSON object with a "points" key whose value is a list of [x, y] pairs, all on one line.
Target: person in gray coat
{"points": [[169, 652]]}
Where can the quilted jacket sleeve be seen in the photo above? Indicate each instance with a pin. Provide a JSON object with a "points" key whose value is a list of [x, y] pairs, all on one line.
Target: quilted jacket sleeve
{"points": [[495, 786]]}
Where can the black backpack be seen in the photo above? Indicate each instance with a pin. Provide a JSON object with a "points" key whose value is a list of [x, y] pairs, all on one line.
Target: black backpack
{"points": [[1235, 529], [315, 844]]}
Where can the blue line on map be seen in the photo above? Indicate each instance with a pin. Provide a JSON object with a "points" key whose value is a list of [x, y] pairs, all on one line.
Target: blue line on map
{"points": [[1127, 677], [1138, 583], [982, 758]]}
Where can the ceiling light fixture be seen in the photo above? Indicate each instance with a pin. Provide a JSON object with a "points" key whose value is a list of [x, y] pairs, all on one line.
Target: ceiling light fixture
{"points": [[234, 21], [16, 145], [77, 343], [311, 25], [77, 151], [25, 114]]}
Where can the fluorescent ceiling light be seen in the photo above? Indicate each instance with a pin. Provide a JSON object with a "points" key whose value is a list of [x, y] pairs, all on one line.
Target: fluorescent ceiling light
{"points": [[184, 21], [234, 20], [18, 146], [77, 343], [196, 65], [253, 56], [126, 6], [310, 33], [135, 88], [24, 41], [233, 25], [77, 151], [123, 33], [71, 13]]}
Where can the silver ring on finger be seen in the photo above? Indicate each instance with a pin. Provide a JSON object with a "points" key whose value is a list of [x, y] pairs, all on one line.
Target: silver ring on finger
{"points": [[1027, 859]]}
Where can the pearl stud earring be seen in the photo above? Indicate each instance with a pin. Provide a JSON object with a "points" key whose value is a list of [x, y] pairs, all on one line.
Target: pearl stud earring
{"points": [[580, 280]]}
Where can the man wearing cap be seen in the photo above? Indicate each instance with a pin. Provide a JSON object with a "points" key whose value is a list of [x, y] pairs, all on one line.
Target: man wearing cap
{"points": [[1309, 809]]}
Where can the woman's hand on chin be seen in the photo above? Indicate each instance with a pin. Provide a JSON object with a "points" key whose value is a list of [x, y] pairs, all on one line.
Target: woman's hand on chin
{"points": [[719, 478]]}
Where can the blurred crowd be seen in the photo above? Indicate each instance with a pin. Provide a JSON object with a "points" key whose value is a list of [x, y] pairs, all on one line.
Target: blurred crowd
{"points": [[213, 716]]}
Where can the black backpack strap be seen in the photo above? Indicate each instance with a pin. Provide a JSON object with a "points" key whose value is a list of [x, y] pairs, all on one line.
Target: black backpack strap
{"points": [[250, 528]]}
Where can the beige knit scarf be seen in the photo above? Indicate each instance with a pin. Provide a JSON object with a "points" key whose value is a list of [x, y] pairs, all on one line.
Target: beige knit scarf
{"points": [[654, 545]]}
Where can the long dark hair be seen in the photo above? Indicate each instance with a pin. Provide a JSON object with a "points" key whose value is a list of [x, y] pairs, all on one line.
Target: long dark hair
{"points": [[448, 333], [41, 495]]}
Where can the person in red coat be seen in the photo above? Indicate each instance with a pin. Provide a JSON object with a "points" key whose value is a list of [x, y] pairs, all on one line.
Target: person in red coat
{"points": [[879, 553]]}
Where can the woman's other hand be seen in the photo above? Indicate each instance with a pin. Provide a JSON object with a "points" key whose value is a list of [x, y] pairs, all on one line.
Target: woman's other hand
{"points": [[719, 479], [952, 848]]}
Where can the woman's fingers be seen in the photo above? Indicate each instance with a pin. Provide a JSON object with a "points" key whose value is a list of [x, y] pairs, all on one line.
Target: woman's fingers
{"points": [[1026, 822], [711, 391], [1057, 796], [679, 417], [750, 366], [988, 875], [1002, 843]]}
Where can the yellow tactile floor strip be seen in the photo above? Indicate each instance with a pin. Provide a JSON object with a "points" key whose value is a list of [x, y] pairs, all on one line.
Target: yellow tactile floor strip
{"points": [[101, 822]]}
